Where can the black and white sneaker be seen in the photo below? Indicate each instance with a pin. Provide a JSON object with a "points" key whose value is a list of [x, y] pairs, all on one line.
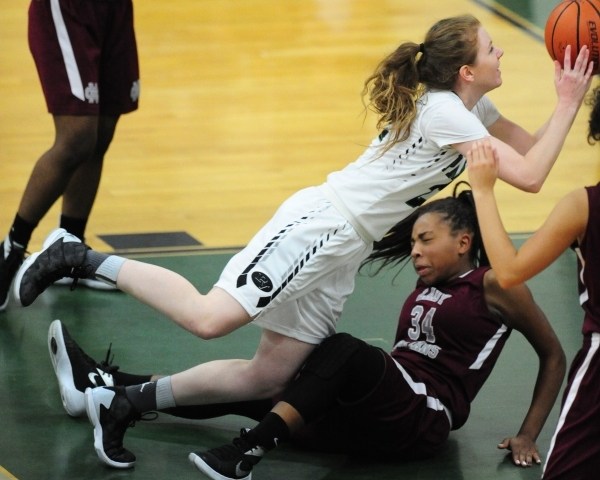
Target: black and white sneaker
{"points": [[75, 370], [11, 258], [63, 256], [229, 462], [111, 413], [80, 282]]}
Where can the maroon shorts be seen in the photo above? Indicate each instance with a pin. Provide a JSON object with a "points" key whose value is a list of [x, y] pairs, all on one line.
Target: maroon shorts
{"points": [[86, 55], [396, 420], [575, 449]]}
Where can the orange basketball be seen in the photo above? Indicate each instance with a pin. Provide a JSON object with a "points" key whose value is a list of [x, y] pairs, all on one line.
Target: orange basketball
{"points": [[575, 23]]}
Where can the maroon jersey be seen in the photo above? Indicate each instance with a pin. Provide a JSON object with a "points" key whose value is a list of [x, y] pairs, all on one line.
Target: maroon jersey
{"points": [[578, 428], [448, 339], [589, 265]]}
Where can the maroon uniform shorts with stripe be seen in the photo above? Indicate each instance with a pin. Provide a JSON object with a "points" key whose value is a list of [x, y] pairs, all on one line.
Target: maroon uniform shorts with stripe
{"points": [[86, 55], [575, 449], [393, 421]]}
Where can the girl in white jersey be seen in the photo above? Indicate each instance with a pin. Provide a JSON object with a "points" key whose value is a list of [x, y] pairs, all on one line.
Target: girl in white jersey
{"points": [[296, 273]]}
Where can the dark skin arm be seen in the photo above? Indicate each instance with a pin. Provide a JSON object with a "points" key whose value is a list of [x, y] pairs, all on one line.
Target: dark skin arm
{"points": [[519, 311]]}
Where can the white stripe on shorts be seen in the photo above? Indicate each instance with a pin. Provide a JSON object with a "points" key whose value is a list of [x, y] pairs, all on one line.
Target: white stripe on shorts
{"points": [[421, 389], [67, 51], [572, 395]]}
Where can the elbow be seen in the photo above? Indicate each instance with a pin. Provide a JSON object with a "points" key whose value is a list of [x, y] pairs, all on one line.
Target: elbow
{"points": [[203, 329], [506, 280], [534, 187], [531, 185]]}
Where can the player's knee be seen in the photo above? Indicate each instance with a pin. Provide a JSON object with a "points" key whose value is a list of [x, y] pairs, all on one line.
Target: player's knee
{"points": [[206, 329], [214, 325], [333, 354], [268, 383]]}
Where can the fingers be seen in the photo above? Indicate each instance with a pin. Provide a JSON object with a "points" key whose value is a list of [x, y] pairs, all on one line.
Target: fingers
{"points": [[567, 58], [482, 152], [526, 458], [524, 451], [582, 60], [504, 444], [582, 66]]}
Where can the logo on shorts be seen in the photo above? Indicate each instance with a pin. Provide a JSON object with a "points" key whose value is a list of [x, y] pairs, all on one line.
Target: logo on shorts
{"points": [[135, 91], [92, 95], [263, 282]]}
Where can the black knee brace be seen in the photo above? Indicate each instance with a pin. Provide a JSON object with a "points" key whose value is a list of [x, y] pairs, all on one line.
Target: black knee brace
{"points": [[342, 368], [332, 355]]}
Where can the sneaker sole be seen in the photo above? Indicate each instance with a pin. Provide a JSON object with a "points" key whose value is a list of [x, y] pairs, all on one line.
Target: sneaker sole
{"points": [[90, 406], [19, 276], [87, 282], [208, 471], [55, 235], [3, 306], [72, 399]]}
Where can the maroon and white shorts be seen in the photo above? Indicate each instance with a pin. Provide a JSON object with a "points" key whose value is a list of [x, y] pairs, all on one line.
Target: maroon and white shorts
{"points": [[86, 55], [401, 418], [575, 448]]}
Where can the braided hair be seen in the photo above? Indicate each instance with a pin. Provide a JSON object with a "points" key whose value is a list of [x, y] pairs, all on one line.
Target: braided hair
{"points": [[458, 211]]}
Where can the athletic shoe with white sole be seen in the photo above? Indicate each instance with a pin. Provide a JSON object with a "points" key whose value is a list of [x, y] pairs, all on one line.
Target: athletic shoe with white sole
{"points": [[111, 413], [87, 282], [63, 257], [75, 370], [11, 258], [83, 282], [229, 462]]}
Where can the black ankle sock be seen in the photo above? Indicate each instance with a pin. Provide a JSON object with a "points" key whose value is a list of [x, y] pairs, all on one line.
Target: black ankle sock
{"points": [[21, 231], [270, 432], [142, 397], [75, 226]]}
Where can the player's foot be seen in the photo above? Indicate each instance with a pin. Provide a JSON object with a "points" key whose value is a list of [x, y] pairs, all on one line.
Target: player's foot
{"points": [[81, 282], [63, 257], [11, 258], [229, 462], [111, 412], [75, 370]]}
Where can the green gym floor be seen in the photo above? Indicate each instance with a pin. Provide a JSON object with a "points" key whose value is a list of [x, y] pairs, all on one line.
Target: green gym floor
{"points": [[39, 441]]}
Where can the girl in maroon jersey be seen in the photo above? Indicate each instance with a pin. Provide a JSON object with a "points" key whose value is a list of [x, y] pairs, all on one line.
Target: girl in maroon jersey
{"points": [[352, 397], [575, 221]]}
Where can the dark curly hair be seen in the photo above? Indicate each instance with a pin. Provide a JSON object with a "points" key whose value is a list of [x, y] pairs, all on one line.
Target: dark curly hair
{"points": [[458, 211]]}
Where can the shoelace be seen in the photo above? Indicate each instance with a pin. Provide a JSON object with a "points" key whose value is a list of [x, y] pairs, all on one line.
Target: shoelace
{"points": [[144, 417], [79, 272], [106, 364]]}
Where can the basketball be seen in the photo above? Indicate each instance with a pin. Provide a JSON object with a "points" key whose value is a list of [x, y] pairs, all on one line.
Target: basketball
{"points": [[575, 23]]}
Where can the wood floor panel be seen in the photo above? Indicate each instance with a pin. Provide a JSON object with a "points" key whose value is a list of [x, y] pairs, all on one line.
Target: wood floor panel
{"points": [[243, 103]]}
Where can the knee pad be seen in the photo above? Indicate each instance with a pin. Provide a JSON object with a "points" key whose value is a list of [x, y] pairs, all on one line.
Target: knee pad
{"points": [[332, 355]]}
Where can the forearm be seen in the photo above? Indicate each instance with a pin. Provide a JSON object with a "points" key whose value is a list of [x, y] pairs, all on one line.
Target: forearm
{"points": [[499, 248], [540, 158], [546, 390]]}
